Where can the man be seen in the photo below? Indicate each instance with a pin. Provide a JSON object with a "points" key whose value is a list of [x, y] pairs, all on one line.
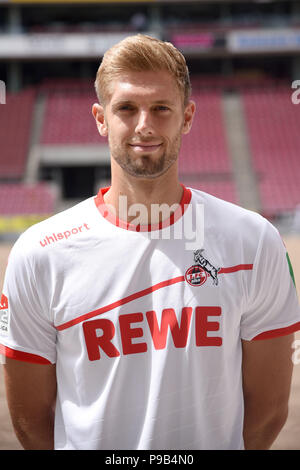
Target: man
{"points": [[121, 335]]}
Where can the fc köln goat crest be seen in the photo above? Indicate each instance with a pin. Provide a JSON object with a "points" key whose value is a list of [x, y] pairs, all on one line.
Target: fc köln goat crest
{"points": [[197, 274]]}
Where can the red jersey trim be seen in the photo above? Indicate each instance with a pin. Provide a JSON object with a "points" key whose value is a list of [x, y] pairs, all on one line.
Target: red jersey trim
{"points": [[137, 295], [22, 356], [278, 332], [234, 269], [123, 301], [104, 211]]}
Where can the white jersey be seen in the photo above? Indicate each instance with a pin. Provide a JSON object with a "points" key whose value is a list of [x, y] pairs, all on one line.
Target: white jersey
{"points": [[145, 331]]}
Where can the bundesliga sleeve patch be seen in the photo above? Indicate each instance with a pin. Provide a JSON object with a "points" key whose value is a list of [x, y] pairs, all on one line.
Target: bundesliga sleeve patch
{"points": [[4, 315]]}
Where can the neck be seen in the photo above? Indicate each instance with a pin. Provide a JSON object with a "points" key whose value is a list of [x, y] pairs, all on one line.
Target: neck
{"points": [[147, 193]]}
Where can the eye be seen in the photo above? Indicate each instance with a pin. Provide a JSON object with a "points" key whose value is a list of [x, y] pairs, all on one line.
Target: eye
{"points": [[126, 107], [123, 108], [162, 108]]}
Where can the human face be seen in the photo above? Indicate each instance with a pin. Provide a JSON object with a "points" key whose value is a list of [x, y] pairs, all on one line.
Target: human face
{"points": [[144, 120]]}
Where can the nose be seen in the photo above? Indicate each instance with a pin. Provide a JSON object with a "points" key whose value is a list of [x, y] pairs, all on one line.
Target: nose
{"points": [[144, 124]]}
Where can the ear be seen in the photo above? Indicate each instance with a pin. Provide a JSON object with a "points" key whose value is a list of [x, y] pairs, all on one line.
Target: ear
{"points": [[98, 113], [189, 113]]}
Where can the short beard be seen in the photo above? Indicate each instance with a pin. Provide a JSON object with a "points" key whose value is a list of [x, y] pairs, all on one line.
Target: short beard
{"points": [[144, 167]]}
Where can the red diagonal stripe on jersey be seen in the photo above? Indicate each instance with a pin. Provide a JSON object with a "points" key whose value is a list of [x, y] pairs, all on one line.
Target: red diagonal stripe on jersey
{"points": [[233, 269], [123, 301], [142, 293]]}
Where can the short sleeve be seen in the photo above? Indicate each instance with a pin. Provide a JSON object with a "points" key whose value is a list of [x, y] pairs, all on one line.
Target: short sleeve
{"points": [[27, 332], [272, 308]]}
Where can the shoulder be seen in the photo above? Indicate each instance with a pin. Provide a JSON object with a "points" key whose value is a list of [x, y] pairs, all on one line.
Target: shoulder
{"points": [[57, 228], [236, 228], [228, 216]]}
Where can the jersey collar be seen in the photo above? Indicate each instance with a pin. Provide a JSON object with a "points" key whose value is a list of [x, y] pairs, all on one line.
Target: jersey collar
{"points": [[107, 214]]}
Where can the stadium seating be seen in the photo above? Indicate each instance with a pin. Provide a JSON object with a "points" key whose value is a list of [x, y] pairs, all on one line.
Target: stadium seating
{"points": [[69, 117], [203, 152], [204, 161], [21, 199], [204, 149], [274, 138], [15, 126], [234, 82]]}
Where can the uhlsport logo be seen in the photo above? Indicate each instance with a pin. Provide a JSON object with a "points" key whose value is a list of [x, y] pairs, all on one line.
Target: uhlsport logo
{"points": [[197, 274]]}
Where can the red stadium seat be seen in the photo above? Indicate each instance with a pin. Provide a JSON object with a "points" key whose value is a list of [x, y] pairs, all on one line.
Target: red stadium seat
{"points": [[69, 117], [15, 126], [274, 138], [21, 199], [204, 149]]}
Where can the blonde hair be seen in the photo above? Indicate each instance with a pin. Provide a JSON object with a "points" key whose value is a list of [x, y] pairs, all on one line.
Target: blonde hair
{"points": [[141, 53]]}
